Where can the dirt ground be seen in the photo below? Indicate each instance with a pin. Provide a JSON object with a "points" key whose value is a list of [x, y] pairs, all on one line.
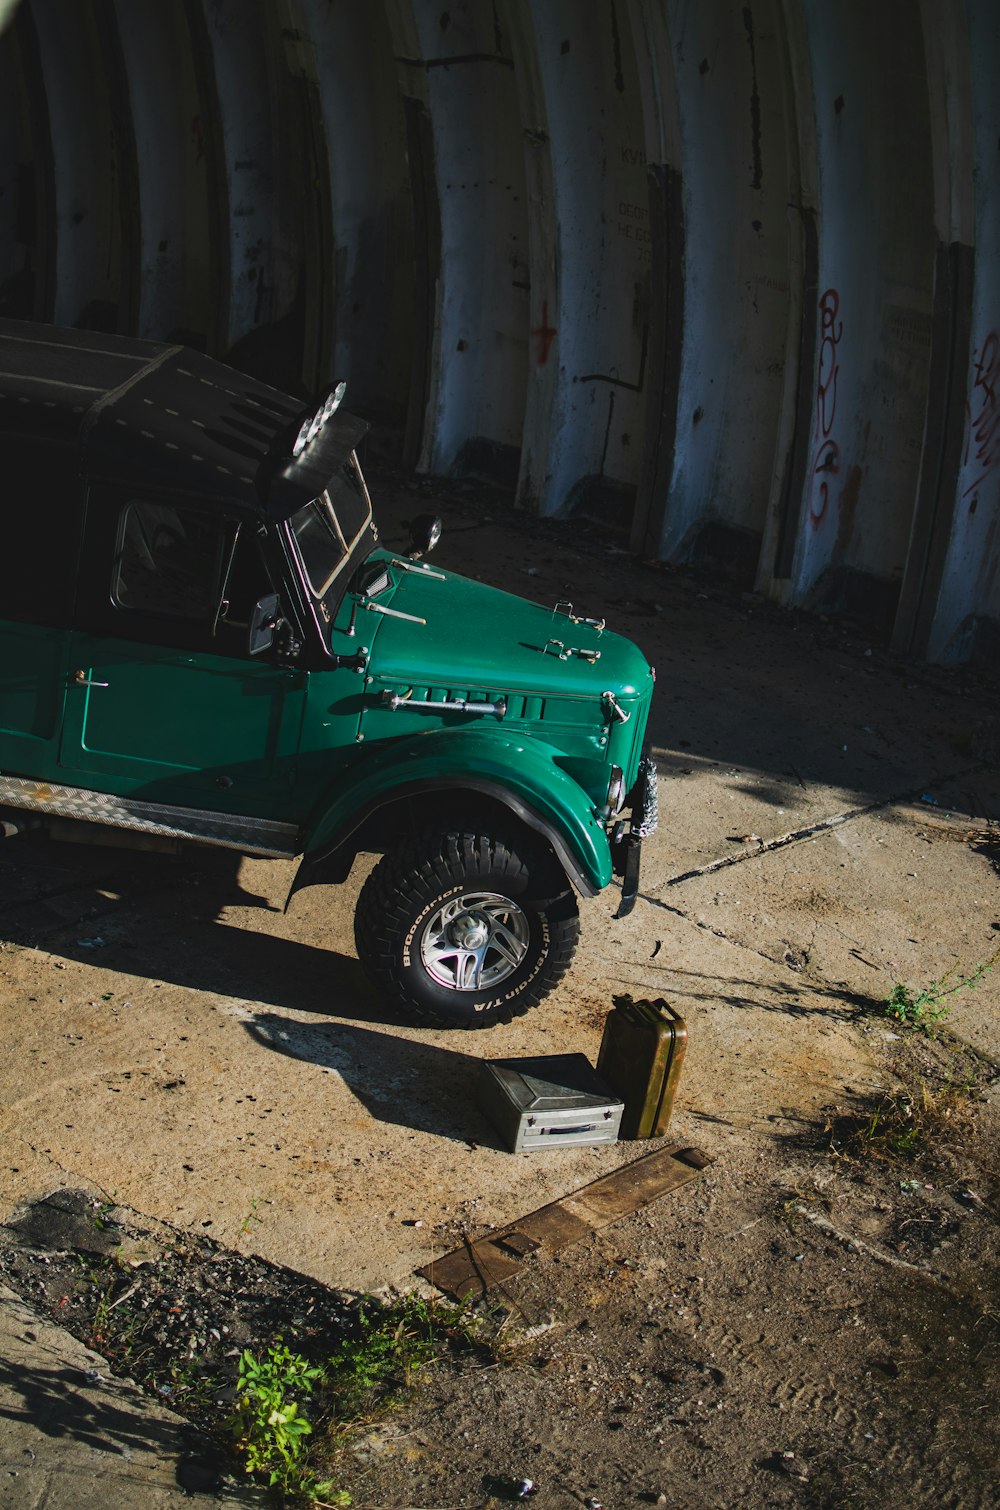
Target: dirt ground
{"points": [[815, 1320]]}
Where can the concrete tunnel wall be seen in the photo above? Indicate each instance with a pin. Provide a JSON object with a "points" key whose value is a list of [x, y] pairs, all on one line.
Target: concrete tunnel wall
{"points": [[721, 277]]}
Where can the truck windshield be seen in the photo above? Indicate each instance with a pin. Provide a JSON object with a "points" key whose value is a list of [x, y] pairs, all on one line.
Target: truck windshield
{"points": [[326, 531]]}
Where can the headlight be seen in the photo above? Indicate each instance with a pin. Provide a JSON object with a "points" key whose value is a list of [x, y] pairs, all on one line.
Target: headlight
{"points": [[616, 789]]}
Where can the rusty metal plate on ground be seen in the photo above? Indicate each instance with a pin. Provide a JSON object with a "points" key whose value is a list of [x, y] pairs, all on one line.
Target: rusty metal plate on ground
{"points": [[477, 1267]]}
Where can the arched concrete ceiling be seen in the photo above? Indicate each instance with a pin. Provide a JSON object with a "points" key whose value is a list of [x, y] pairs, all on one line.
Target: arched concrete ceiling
{"points": [[719, 276]]}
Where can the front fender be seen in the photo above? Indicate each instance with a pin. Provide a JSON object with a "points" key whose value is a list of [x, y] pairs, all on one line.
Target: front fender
{"points": [[521, 773]]}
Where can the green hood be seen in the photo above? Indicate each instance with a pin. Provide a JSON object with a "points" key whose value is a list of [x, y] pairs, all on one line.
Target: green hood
{"points": [[479, 638]]}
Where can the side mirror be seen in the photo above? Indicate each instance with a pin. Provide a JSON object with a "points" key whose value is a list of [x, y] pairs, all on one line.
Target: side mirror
{"points": [[263, 622], [268, 628], [425, 532]]}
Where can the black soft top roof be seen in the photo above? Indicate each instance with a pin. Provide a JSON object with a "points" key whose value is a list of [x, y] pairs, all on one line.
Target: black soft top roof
{"points": [[146, 412]]}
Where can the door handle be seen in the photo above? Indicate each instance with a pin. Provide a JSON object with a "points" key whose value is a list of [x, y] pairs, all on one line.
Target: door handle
{"points": [[82, 680]]}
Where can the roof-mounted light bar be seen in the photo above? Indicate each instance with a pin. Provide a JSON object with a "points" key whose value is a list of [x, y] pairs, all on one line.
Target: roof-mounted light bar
{"points": [[311, 427]]}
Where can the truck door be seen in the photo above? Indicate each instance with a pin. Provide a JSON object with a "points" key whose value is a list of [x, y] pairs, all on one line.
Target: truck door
{"points": [[163, 702], [42, 519]]}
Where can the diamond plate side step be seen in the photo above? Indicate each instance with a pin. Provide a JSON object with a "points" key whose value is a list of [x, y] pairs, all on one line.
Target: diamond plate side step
{"points": [[259, 836]]}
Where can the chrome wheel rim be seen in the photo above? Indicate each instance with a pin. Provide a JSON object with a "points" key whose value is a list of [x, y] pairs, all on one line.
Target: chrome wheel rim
{"points": [[475, 941]]}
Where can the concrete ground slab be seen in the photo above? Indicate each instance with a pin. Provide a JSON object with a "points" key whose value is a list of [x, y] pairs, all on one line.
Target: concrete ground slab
{"points": [[181, 1045], [74, 1438], [892, 896]]}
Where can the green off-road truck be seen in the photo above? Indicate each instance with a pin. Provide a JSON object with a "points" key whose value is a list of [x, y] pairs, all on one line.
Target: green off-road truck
{"points": [[203, 640]]}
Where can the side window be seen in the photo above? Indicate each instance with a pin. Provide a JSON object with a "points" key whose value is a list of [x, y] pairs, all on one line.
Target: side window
{"points": [[168, 561], [246, 580], [183, 575]]}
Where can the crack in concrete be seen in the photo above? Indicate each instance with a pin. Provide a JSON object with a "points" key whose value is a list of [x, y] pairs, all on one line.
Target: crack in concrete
{"points": [[825, 825], [797, 836], [805, 980], [718, 933]]}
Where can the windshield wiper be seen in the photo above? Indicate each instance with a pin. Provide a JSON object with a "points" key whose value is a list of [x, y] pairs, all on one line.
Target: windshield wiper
{"points": [[393, 613], [418, 566]]}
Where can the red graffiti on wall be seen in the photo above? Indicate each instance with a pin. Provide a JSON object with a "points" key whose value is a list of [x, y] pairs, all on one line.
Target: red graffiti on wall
{"points": [[545, 335], [826, 451], [983, 431]]}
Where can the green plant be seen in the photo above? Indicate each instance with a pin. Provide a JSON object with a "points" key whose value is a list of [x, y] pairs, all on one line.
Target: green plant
{"points": [[893, 1128], [113, 1331], [190, 1386], [268, 1425], [901, 1124], [381, 1357], [789, 1209], [390, 1343], [922, 1009], [249, 1219], [100, 1325]]}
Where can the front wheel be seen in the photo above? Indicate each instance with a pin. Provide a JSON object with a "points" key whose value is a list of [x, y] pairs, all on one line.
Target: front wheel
{"points": [[467, 929]]}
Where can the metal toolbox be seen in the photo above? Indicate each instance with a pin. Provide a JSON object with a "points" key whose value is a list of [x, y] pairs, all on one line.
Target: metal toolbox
{"points": [[641, 1056], [553, 1101]]}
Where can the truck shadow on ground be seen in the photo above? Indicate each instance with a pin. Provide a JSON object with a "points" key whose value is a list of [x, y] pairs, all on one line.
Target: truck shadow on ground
{"points": [[403, 1081], [163, 918], [221, 959], [807, 997]]}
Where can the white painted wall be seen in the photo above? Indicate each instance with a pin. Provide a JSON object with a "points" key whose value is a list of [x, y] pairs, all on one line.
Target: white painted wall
{"points": [[169, 129], [728, 64], [970, 586], [877, 248]]}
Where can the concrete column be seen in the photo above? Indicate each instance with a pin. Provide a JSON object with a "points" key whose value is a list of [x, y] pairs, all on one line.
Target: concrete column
{"points": [[730, 67], [463, 73], [263, 173], [12, 249], [966, 621], [541, 366], [176, 245], [598, 333], [873, 332], [84, 212], [369, 305]]}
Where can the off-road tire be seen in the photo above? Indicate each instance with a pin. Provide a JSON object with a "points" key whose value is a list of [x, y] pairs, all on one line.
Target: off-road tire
{"points": [[411, 886]]}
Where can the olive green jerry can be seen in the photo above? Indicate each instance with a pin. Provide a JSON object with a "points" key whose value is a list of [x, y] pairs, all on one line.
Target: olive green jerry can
{"points": [[641, 1055]]}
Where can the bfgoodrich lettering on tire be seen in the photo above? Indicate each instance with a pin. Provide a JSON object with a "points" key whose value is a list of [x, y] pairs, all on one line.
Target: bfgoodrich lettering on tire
{"points": [[467, 929]]}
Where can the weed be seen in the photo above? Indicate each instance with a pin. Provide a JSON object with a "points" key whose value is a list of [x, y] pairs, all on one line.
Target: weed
{"points": [[924, 1008], [249, 1219], [900, 1124], [268, 1425], [789, 1209], [190, 1387], [112, 1332], [377, 1365], [100, 1326]]}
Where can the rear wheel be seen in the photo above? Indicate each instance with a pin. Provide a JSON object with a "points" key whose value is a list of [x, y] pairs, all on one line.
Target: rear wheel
{"points": [[465, 928]]}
